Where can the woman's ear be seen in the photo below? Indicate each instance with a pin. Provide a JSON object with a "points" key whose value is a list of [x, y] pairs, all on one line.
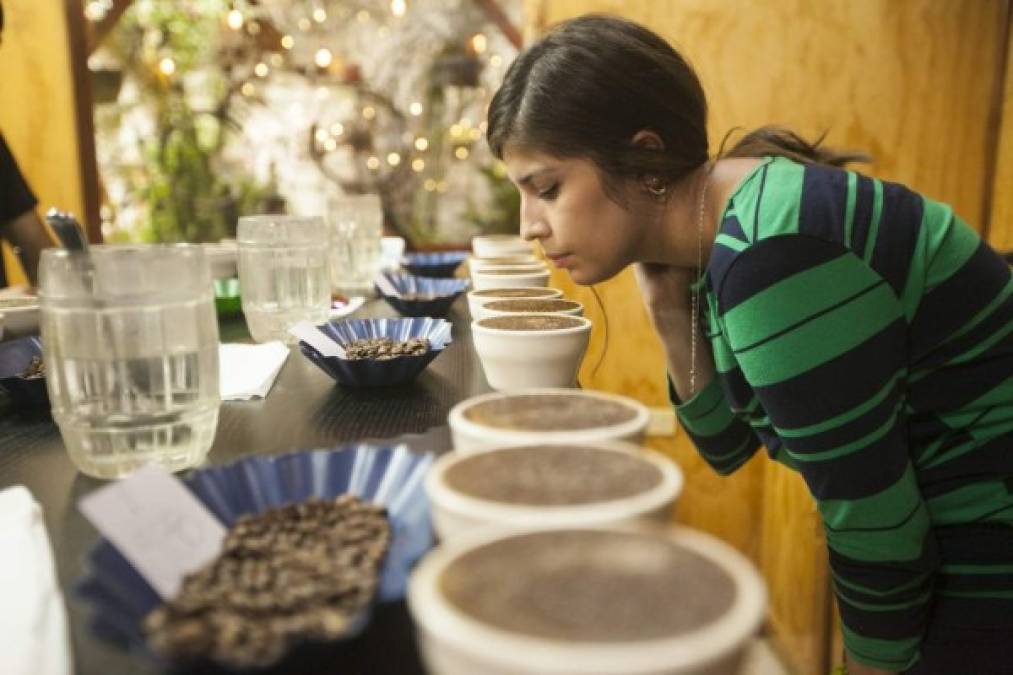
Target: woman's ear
{"points": [[645, 138]]}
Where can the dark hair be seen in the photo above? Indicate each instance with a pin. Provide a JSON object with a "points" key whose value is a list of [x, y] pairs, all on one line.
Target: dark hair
{"points": [[589, 85], [1, 17]]}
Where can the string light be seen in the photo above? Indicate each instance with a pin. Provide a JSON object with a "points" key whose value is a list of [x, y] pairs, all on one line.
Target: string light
{"points": [[320, 15], [248, 89], [479, 43], [398, 8], [323, 57], [304, 24], [393, 159], [330, 145], [455, 130], [287, 41], [373, 163], [442, 186], [429, 185], [260, 69], [321, 135], [369, 112], [337, 128], [415, 108], [167, 66], [461, 152], [235, 19], [418, 165], [476, 134], [496, 60], [95, 11], [421, 143], [253, 28]]}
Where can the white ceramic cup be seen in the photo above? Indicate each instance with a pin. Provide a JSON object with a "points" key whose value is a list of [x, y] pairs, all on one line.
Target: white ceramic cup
{"points": [[478, 298], [502, 308], [453, 642], [471, 436], [522, 358], [493, 245], [455, 511], [523, 278]]}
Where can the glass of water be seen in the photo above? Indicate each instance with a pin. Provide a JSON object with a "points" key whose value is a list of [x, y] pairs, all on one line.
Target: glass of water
{"points": [[356, 224], [283, 274], [130, 346]]}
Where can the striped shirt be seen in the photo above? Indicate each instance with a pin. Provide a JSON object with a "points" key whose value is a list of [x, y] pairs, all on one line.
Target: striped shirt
{"points": [[864, 334]]}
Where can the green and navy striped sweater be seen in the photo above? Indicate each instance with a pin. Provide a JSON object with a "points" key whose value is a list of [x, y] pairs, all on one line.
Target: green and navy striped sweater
{"points": [[864, 334]]}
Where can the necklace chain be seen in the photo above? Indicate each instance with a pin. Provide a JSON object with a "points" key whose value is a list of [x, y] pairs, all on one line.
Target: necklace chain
{"points": [[695, 297]]}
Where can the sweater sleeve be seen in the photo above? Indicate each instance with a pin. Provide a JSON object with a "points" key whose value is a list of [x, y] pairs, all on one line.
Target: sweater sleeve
{"points": [[725, 441], [823, 343]]}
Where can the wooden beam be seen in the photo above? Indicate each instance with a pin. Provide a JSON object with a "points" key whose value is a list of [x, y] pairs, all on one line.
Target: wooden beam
{"points": [[496, 14], [77, 48], [97, 31]]}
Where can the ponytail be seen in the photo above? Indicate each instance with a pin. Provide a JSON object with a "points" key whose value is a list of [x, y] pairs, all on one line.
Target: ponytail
{"points": [[775, 140]]}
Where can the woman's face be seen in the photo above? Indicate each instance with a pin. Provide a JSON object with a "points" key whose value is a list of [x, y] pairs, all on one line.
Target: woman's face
{"points": [[564, 206]]}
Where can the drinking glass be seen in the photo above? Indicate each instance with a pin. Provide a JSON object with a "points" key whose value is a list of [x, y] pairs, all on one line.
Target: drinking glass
{"points": [[283, 274], [356, 224], [130, 347]]}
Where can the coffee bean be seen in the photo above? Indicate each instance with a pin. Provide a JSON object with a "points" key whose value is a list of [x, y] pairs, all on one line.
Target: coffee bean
{"points": [[298, 572], [384, 349]]}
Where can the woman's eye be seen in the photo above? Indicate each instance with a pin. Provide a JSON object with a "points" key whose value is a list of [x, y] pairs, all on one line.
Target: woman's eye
{"points": [[549, 193]]}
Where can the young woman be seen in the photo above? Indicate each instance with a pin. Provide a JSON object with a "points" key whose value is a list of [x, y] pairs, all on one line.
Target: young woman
{"points": [[860, 331]]}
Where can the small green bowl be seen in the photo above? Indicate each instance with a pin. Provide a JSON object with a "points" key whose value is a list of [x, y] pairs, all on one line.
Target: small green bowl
{"points": [[227, 299]]}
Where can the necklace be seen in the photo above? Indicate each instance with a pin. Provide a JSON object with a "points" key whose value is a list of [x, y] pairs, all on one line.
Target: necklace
{"points": [[695, 297]]}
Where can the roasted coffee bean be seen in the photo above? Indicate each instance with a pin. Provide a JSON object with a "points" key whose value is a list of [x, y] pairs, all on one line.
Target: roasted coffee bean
{"points": [[294, 573], [384, 349]]}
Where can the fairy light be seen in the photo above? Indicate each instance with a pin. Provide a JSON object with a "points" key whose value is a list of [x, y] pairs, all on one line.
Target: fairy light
{"points": [[421, 143], [418, 165], [337, 129], [479, 43], [167, 66], [248, 89], [461, 153], [95, 11], [429, 185], [455, 130], [393, 159], [330, 145], [323, 57], [261, 69], [442, 186], [253, 28], [321, 135], [320, 15], [476, 134], [398, 8], [415, 108], [496, 60], [373, 163], [235, 19], [305, 24], [369, 112], [287, 41]]}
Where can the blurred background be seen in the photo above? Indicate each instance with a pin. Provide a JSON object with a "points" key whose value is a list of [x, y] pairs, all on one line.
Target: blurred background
{"points": [[164, 120]]}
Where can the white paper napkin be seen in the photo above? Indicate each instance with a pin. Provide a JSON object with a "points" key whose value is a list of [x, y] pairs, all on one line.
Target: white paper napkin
{"points": [[249, 371], [33, 622]]}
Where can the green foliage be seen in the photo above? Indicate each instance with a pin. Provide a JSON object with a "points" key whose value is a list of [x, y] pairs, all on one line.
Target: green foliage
{"points": [[502, 214]]}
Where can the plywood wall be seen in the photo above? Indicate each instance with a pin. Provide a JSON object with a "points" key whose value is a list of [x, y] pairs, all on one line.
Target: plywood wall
{"points": [[40, 102], [913, 83]]}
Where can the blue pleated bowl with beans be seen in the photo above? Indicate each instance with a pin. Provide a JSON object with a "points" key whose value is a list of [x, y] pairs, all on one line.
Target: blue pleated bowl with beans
{"points": [[422, 296], [433, 264], [22, 373], [373, 372], [389, 476]]}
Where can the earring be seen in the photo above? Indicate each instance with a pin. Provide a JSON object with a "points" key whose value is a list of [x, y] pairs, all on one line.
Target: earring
{"points": [[656, 186]]}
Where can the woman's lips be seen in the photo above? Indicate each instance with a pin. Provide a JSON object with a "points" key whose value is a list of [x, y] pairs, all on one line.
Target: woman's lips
{"points": [[561, 260]]}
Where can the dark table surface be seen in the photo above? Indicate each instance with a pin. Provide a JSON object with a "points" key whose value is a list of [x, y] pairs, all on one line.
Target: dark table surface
{"points": [[305, 409]]}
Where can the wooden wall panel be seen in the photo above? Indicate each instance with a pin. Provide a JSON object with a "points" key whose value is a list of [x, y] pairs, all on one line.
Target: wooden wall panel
{"points": [[912, 83], [1000, 233], [41, 102]]}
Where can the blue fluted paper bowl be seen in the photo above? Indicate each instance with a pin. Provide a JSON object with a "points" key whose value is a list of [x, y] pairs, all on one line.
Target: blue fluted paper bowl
{"points": [[437, 264], [15, 357], [392, 476], [443, 292], [368, 373]]}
